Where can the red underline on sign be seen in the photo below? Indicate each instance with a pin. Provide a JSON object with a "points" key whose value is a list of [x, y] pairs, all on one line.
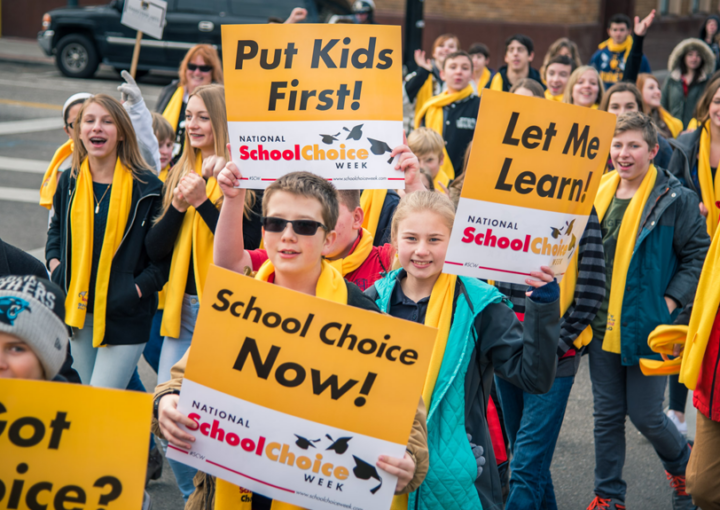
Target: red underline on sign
{"points": [[250, 477], [178, 449], [495, 269], [396, 178]]}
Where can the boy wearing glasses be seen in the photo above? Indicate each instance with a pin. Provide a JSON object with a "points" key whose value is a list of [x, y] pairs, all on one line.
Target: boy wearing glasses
{"points": [[300, 214]]}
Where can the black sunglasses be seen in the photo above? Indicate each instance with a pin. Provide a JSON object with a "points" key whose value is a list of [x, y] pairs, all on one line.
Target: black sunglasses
{"points": [[203, 69], [301, 227]]}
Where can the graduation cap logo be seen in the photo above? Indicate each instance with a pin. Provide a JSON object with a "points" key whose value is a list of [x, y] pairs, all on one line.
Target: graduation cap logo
{"points": [[329, 139], [379, 148], [571, 246], [556, 232], [355, 133], [340, 446], [305, 443], [570, 227], [365, 471]]}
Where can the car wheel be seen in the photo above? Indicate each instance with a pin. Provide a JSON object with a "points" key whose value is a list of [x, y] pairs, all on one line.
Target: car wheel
{"points": [[76, 56]]}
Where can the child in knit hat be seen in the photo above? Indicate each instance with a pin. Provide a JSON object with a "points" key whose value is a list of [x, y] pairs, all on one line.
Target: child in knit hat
{"points": [[33, 335]]}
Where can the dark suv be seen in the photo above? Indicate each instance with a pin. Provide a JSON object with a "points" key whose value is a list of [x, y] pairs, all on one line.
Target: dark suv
{"points": [[81, 38]]}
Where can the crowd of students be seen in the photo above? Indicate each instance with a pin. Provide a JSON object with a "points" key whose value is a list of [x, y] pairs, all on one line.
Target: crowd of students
{"points": [[141, 204]]}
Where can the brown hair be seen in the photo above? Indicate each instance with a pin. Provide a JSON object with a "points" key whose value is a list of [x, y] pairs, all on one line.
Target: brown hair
{"points": [[422, 201], [442, 39], [575, 77], [456, 54], [623, 86], [637, 121], [305, 184], [702, 110], [350, 198], [127, 146], [531, 85], [554, 51], [214, 98], [640, 84], [162, 128], [423, 141], [209, 55]]}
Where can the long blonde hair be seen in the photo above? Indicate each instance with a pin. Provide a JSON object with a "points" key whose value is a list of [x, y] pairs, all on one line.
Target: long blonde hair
{"points": [[422, 201], [214, 98], [575, 77], [128, 150]]}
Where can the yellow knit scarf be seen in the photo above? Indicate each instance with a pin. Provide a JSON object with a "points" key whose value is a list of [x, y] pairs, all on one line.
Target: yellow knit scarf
{"points": [[674, 125], [709, 190], [172, 110], [625, 246], [194, 238], [49, 183], [82, 216], [164, 173], [567, 296], [432, 112], [558, 98], [371, 202], [484, 79], [625, 47], [330, 286], [425, 93], [356, 259]]}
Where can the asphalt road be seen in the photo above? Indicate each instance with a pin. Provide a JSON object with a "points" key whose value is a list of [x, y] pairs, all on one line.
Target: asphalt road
{"points": [[31, 97]]}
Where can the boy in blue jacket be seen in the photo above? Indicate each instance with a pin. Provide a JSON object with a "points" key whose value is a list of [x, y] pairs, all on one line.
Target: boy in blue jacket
{"points": [[612, 54]]}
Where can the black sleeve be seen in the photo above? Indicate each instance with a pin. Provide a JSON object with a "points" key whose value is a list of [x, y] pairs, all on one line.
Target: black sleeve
{"points": [[21, 263], [382, 234], [155, 275], [415, 81], [210, 214], [67, 371], [523, 354], [160, 241], [252, 229], [54, 235], [634, 60]]}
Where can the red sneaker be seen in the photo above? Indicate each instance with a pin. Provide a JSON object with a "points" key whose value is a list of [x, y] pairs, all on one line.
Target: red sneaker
{"points": [[600, 503], [681, 499]]}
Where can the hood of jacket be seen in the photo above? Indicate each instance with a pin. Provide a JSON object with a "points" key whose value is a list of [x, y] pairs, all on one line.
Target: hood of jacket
{"points": [[682, 48]]}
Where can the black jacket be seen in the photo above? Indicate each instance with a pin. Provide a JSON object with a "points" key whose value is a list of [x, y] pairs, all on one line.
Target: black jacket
{"points": [[128, 317], [533, 74], [459, 120]]}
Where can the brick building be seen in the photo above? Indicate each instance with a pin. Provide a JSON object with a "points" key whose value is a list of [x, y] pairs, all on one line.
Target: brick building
{"points": [[583, 21]]}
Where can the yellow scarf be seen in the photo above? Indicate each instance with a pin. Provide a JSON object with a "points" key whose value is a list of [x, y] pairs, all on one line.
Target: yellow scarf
{"points": [[330, 286], [497, 82], [161, 295], [625, 245], [705, 308], [356, 259], [484, 79], [371, 202], [439, 316], [625, 47], [662, 340], [425, 93], [172, 110], [432, 112], [674, 125], [82, 216], [558, 98], [195, 237], [709, 190], [693, 124], [49, 183], [567, 296], [164, 173]]}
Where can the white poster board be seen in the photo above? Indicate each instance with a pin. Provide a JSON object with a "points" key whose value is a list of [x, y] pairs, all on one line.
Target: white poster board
{"points": [[146, 16]]}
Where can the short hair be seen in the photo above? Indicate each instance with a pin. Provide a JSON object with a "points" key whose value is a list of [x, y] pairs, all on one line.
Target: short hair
{"points": [[563, 60], [637, 121], [623, 86], [442, 39], [480, 48], [350, 198], [620, 18], [162, 128], [305, 184], [531, 85], [422, 201], [424, 141], [522, 39], [456, 54]]}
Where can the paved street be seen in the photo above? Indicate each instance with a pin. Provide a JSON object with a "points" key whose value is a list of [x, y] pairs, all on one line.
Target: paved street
{"points": [[31, 97]]}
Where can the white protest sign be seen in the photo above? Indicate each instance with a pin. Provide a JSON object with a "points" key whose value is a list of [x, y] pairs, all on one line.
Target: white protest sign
{"points": [[146, 16]]}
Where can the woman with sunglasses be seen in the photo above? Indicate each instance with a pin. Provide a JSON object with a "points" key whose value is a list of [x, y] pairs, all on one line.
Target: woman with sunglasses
{"points": [[184, 231], [201, 66]]}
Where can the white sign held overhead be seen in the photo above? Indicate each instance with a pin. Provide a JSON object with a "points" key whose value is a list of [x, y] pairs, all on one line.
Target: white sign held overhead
{"points": [[146, 16]]}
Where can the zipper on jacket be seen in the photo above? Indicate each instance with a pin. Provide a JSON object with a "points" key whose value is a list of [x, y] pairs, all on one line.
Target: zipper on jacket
{"points": [[71, 193], [133, 219]]}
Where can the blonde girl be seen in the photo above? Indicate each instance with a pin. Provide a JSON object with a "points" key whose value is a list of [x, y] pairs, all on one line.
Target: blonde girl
{"points": [[477, 335], [584, 88]]}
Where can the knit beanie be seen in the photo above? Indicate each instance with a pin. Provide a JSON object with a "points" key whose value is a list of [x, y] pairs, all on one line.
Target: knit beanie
{"points": [[33, 309]]}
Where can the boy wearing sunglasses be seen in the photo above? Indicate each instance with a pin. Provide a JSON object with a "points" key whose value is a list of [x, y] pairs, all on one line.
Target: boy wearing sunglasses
{"points": [[300, 213]]}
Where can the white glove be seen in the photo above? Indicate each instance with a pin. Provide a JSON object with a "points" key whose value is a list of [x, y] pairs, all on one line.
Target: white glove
{"points": [[130, 90], [478, 452]]}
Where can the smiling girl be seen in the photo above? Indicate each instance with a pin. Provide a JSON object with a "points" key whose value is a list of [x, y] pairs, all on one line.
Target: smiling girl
{"points": [[584, 88], [478, 334], [649, 87], [96, 244]]}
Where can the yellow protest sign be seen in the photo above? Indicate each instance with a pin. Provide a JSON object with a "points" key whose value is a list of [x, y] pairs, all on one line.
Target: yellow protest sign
{"points": [[321, 98], [70, 446], [533, 173], [295, 397]]}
